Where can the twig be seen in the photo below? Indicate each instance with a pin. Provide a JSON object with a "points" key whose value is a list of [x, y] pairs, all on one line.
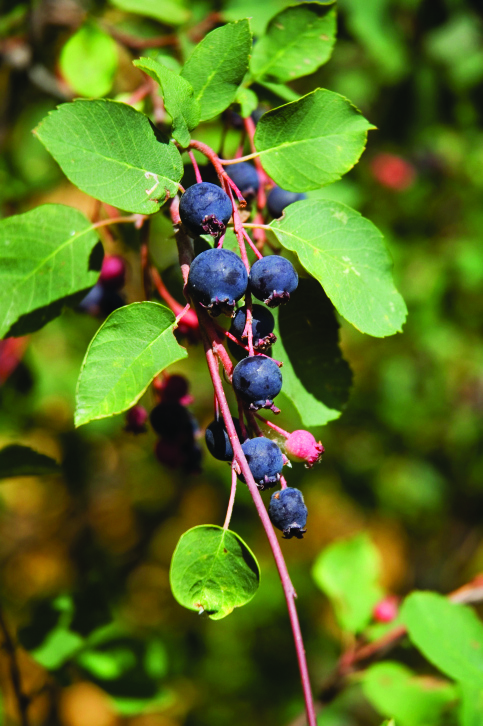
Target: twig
{"points": [[22, 699], [231, 501]]}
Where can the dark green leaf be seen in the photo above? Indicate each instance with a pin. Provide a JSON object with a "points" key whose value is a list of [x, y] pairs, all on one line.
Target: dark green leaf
{"points": [[449, 635], [315, 376], [110, 151], [297, 41], [133, 346], [89, 61], [346, 253], [218, 65], [179, 101], [311, 142], [348, 572], [16, 460], [171, 12], [45, 258], [213, 571]]}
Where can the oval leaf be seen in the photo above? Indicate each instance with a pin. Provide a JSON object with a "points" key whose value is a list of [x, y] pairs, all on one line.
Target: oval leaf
{"points": [[218, 65], [45, 257], [133, 346], [347, 255], [297, 41], [171, 12], [17, 460], [316, 378], [449, 635], [311, 142], [110, 151], [213, 571], [89, 61], [178, 96]]}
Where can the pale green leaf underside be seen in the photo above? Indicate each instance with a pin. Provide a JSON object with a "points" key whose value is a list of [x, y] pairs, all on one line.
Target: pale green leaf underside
{"points": [[316, 378], [311, 142], [178, 96], [297, 41], [346, 253], [449, 635], [110, 151], [17, 460], [218, 65], [89, 61], [348, 572], [171, 12], [132, 346], [214, 571], [44, 259]]}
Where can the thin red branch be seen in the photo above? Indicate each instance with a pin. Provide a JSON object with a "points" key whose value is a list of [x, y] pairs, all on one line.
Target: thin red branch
{"points": [[195, 167], [231, 501]]}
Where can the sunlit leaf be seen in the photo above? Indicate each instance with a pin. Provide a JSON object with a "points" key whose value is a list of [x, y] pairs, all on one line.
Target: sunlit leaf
{"points": [[89, 61], [171, 12]]}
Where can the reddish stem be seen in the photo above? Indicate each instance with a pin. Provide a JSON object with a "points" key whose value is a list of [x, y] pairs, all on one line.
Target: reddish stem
{"points": [[252, 245], [273, 426], [283, 482], [231, 501], [178, 310], [195, 167]]}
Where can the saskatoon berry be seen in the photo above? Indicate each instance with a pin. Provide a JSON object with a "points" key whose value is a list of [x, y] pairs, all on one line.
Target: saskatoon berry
{"points": [[173, 422], [100, 301], [178, 456], [113, 272], [218, 441], [245, 177], [302, 446], [174, 389], [265, 461], [136, 419], [217, 279], [257, 380], [279, 198], [287, 511], [205, 209], [262, 326], [272, 279]]}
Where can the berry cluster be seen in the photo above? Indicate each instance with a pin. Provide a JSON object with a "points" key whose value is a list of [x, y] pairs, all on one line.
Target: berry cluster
{"points": [[104, 297]]}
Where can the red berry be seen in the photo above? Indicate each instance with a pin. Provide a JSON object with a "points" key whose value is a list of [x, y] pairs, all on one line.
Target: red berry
{"points": [[302, 446], [113, 272], [386, 609], [136, 419], [393, 172]]}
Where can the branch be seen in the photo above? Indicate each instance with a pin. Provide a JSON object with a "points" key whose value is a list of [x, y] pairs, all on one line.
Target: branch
{"points": [[22, 699]]}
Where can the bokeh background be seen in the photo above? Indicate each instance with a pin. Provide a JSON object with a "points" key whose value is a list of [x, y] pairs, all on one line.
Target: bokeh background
{"points": [[404, 463]]}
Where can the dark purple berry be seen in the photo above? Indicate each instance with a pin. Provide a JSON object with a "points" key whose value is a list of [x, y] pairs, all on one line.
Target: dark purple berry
{"points": [[287, 511], [174, 389], [205, 208], [100, 302], [245, 177], [178, 456], [263, 324], [273, 279], [217, 279], [113, 272], [257, 380], [136, 419], [279, 198], [218, 441], [265, 461], [173, 422]]}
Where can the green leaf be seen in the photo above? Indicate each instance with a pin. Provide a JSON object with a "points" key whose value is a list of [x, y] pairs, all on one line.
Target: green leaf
{"points": [[412, 700], [311, 142], [218, 65], [45, 259], [297, 41], [16, 460], [450, 636], [213, 570], [59, 646], [348, 572], [346, 253], [171, 12], [471, 706], [89, 60], [278, 89], [107, 665], [132, 346], [316, 378], [111, 151], [183, 108], [258, 12], [247, 99]]}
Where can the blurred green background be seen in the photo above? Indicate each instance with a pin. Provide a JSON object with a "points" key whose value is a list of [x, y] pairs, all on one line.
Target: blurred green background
{"points": [[404, 462]]}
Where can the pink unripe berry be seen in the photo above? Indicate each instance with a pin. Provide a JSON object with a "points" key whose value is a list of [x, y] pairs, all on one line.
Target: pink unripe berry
{"points": [[393, 172], [386, 609], [136, 419], [302, 446], [113, 272]]}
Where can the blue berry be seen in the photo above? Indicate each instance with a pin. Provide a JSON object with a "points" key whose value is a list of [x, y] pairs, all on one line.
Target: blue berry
{"points": [[265, 461], [263, 324], [173, 422], [279, 198], [217, 279], [205, 208], [218, 441], [245, 177], [100, 301], [287, 511], [272, 279], [257, 380]]}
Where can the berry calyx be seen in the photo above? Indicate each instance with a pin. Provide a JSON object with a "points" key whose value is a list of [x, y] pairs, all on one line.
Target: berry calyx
{"points": [[245, 177], [217, 279], [302, 446], [265, 461], [279, 198], [263, 324], [113, 272], [287, 511], [218, 440], [257, 380], [205, 208], [273, 279]]}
